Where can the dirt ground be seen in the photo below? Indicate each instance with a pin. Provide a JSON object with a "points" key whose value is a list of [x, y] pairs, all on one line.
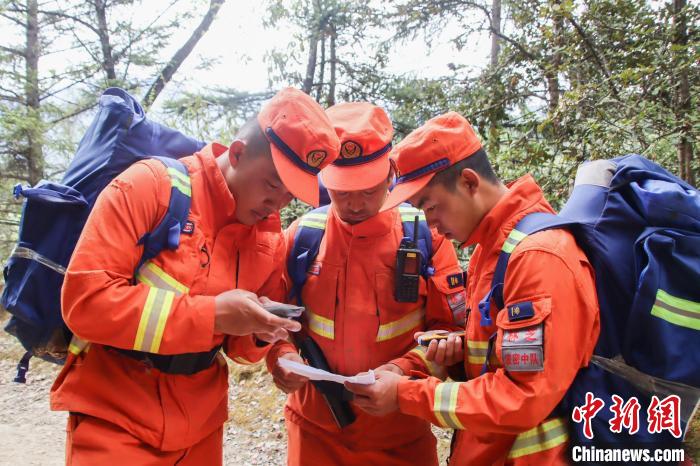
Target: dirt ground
{"points": [[33, 435]]}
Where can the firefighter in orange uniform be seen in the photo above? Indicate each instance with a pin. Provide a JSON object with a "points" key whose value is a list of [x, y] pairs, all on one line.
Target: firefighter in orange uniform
{"points": [[351, 311], [145, 382], [504, 407]]}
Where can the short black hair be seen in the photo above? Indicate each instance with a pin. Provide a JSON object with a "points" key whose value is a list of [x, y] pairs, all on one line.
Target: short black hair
{"points": [[255, 140], [478, 161]]}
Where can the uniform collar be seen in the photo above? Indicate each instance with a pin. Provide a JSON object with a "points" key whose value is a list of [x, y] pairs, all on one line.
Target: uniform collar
{"points": [[377, 225], [223, 204], [523, 196]]}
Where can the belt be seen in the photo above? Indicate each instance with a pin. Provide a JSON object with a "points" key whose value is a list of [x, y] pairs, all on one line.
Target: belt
{"points": [[177, 364]]}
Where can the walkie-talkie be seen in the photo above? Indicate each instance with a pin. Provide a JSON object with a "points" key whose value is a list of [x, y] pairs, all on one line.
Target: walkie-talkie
{"points": [[408, 267]]}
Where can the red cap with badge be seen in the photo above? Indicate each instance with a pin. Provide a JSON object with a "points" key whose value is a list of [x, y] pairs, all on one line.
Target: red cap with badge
{"points": [[435, 146], [302, 141], [365, 133]]}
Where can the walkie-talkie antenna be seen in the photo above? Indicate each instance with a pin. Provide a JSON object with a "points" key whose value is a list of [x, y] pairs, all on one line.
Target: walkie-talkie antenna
{"points": [[415, 229]]}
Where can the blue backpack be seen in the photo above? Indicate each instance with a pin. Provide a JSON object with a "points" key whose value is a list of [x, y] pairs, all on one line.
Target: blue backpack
{"points": [[312, 226], [54, 214], [640, 229]]}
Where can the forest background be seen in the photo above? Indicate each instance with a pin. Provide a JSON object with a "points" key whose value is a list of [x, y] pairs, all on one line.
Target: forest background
{"points": [[547, 83]]}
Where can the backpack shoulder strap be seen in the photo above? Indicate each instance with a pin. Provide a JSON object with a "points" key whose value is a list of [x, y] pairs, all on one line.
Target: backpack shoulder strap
{"points": [[529, 225], [425, 239], [166, 235], [307, 241]]}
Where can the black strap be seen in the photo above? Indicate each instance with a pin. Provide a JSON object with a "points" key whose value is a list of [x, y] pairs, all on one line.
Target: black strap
{"points": [[176, 364]]}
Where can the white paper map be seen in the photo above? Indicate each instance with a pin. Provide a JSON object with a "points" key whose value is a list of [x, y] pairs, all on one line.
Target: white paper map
{"points": [[312, 373]]}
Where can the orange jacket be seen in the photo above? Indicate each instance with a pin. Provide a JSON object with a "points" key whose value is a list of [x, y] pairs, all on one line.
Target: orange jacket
{"points": [[503, 415], [351, 313], [170, 309]]}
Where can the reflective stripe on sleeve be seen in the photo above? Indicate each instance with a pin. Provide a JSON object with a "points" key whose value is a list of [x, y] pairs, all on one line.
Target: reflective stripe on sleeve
{"points": [[548, 435], [476, 351], [153, 318], [434, 369], [445, 405]]}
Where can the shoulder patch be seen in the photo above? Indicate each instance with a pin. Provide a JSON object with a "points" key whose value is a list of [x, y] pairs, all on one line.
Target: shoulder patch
{"points": [[521, 311], [455, 280]]}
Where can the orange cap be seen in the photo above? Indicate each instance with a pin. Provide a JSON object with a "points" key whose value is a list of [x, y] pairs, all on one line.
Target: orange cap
{"points": [[435, 146], [365, 134], [302, 141]]}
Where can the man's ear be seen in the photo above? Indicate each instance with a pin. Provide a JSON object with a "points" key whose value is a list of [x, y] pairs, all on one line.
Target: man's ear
{"points": [[469, 180], [235, 151]]}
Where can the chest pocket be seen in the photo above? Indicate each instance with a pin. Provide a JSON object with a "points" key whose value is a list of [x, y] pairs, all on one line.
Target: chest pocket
{"points": [[320, 299], [397, 320]]}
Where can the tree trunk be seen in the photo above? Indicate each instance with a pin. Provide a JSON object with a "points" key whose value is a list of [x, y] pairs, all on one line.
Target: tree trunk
{"points": [[322, 71], [683, 103], [34, 152], [493, 132], [103, 33], [307, 86], [552, 73], [167, 73], [495, 31], [331, 85]]}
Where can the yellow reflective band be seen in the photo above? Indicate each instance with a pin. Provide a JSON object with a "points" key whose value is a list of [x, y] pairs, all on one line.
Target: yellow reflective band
{"points": [[153, 318], [445, 404], [477, 344], [314, 220], [312, 224], [512, 241], [408, 214], [476, 351], [180, 181], [401, 326], [321, 325], [77, 346], [433, 369], [677, 311], [546, 436], [316, 216], [182, 188], [412, 217], [155, 277], [175, 174]]}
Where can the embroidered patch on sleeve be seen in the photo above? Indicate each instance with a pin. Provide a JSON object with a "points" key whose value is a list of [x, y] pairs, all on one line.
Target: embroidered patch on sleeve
{"points": [[523, 359], [522, 350], [455, 280], [521, 311], [458, 306]]}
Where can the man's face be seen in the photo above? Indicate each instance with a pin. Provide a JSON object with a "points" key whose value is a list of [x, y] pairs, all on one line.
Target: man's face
{"points": [[258, 189], [453, 213], [357, 206]]}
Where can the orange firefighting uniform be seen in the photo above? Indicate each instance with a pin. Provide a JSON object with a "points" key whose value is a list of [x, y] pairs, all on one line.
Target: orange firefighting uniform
{"points": [[351, 313], [168, 310], [504, 416]]}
